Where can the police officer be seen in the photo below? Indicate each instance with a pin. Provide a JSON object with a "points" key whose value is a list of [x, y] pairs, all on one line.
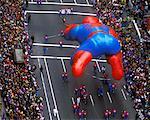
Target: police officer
{"points": [[100, 91], [110, 88], [45, 50]]}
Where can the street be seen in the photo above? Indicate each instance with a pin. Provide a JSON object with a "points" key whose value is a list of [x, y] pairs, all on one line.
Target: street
{"points": [[56, 93]]}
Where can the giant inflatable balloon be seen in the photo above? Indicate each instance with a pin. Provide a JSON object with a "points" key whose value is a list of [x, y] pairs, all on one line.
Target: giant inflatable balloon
{"points": [[95, 39]]}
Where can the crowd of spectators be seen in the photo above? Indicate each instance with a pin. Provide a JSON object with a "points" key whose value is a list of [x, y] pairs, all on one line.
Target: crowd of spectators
{"points": [[136, 64], [135, 53], [19, 87]]}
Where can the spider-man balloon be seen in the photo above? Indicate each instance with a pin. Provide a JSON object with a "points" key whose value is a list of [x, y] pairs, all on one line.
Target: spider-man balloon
{"points": [[95, 39]]}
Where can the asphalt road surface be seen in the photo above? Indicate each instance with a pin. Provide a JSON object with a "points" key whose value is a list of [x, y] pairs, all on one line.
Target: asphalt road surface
{"points": [[56, 93]]}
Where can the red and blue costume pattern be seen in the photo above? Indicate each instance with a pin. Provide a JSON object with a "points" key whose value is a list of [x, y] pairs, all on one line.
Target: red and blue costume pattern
{"points": [[95, 39]]}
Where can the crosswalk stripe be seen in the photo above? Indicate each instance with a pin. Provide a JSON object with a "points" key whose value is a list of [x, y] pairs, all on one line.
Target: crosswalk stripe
{"points": [[61, 3], [64, 58], [57, 12]]}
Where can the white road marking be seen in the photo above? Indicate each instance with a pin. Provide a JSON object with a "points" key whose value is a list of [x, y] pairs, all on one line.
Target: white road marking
{"points": [[75, 1], [65, 58], [100, 78], [92, 101], [67, 4], [45, 93], [63, 64], [51, 88], [72, 99], [78, 101], [123, 93], [137, 29], [55, 112], [52, 36], [109, 97], [55, 45], [87, 2], [98, 66], [57, 12], [86, 14]]}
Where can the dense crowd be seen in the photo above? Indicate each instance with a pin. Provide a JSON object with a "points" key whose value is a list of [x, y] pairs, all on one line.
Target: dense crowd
{"points": [[136, 66], [135, 54], [19, 87]]}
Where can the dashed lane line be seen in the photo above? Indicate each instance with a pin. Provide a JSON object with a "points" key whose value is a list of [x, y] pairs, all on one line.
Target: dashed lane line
{"points": [[109, 97], [75, 1], [87, 2], [98, 66], [63, 64], [61, 1], [72, 99], [123, 93], [92, 101]]}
